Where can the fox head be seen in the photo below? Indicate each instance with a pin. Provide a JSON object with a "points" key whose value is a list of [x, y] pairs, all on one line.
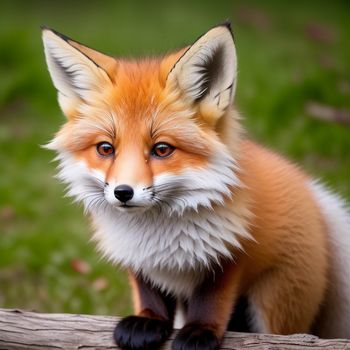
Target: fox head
{"points": [[147, 134]]}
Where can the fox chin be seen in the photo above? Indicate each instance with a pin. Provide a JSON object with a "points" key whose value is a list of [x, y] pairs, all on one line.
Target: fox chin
{"points": [[206, 221]]}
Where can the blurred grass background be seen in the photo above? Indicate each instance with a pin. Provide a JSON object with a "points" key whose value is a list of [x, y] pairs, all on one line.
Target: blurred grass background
{"points": [[293, 56]]}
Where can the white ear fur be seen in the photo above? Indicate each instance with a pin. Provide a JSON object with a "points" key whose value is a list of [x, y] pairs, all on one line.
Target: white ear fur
{"points": [[73, 73], [207, 71]]}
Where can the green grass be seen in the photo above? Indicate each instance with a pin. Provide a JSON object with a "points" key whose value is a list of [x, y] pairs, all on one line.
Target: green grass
{"points": [[280, 70]]}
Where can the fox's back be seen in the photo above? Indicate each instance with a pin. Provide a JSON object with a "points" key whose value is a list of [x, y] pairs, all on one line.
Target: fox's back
{"points": [[298, 221], [286, 220]]}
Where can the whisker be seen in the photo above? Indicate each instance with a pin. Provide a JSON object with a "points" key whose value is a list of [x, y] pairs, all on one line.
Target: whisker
{"points": [[160, 202]]}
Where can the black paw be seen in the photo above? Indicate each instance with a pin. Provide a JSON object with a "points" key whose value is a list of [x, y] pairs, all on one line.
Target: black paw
{"points": [[141, 333], [195, 337]]}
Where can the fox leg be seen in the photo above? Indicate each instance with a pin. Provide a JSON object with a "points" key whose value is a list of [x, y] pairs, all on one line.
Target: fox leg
{"points": [[285, 301], [209, 311], [153, 321]]}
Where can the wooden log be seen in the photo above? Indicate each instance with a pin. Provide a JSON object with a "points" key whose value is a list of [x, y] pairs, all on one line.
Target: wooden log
{"points": [[30, 330]]}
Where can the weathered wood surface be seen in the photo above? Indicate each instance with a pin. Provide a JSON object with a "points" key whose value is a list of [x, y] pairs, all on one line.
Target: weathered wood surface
{"points": [[29, 330]]}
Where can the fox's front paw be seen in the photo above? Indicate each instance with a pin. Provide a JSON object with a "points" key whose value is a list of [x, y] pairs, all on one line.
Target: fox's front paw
{"points": [[141, 333], [195, 337]]}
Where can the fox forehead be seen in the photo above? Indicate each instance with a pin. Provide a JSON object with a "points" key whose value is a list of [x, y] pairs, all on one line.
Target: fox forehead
{"points": [[137, 108], [134, 96], [138, 87]]}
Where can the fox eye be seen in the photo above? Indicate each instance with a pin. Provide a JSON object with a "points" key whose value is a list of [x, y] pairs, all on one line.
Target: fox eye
{"points": [[162, 150], [105, 149]]}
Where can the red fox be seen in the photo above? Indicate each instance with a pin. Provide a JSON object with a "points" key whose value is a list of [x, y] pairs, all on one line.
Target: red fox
{"points": [[209, 224]]}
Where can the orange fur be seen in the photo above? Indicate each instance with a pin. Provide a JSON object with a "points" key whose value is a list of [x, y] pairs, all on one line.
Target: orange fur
{"points": [[287, 270]]}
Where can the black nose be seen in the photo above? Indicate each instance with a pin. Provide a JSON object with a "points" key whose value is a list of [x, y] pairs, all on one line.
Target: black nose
{"points": [[123, 193]]}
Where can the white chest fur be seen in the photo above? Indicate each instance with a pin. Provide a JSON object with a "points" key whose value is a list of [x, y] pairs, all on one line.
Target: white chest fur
{"points": [[171, 251]]}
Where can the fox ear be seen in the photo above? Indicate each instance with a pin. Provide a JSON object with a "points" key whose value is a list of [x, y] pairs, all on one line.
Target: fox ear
{"points": [[75, 69], [206, 72]]}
